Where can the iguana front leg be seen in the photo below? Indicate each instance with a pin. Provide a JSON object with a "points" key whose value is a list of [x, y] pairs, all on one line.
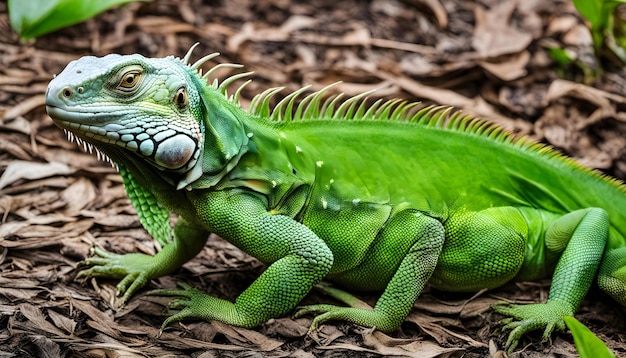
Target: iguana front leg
{"points": [[135, 270], [299, 259]]}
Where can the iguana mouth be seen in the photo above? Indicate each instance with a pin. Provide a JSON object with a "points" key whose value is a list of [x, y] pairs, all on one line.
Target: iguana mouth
{"points": [[81, 127], [72, 123]]}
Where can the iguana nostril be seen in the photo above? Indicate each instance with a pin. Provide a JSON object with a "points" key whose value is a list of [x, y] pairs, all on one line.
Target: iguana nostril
{"points": [[67, 92]]}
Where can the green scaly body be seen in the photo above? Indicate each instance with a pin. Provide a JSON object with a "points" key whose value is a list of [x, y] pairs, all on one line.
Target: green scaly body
{"points": [[379, 197]]}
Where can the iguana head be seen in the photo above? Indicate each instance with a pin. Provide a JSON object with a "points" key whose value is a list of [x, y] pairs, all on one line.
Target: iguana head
{"points": [[154, 111]]}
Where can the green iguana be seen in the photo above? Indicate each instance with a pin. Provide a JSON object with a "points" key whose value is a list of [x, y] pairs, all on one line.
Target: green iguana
{"points": [[369, 197]]}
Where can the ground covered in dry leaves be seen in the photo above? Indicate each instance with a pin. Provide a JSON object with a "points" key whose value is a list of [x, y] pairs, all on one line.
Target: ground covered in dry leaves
{"points": [[489, 58]]}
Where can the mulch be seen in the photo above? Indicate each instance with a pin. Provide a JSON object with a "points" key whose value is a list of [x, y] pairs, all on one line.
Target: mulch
{"points": [[489, 58]]}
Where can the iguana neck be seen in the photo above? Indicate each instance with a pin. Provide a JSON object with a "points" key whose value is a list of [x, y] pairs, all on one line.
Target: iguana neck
{"points": [[224, 140]]}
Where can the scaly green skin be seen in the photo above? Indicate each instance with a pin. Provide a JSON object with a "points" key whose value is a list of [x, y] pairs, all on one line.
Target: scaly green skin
{"points": [[370, 198]]}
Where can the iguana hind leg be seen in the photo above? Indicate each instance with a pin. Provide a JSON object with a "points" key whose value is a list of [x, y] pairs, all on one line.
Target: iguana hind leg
{"points": [[584, 234], [612, 273], [426, 235], [483, 249]]}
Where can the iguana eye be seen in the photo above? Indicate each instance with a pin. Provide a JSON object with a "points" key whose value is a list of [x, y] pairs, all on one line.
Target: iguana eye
{"points": [[180, 98], [129, 79]]}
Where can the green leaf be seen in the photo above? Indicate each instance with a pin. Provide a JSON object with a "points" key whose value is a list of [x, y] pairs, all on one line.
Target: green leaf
{"points": [[592, 10], [587, 344], [560, 56], [32, 18]]}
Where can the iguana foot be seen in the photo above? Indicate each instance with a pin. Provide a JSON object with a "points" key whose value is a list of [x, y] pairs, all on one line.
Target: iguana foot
{"points": [[188, 302], [525, 318], [360, 316], [193, 304], [135, 270]]}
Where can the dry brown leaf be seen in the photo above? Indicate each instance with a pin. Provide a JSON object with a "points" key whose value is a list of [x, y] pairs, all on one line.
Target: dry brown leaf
{"points": [[77, 159], [511, 68], [8, 229], [78, 196], [3, 254], [298, 22], [601, 99], [16, 294], [35, 316], [176, 341], [246, 337], [20, 169], [103, 322], [420, 65], [15, 150], [470, 307], [560, 88], [288, 327], [389, 346], [75, 248], [18, 124], [108, 347], [380, 89], [123, 221], [437, 95], [37, 236], [436, 8], [363, 46], [63, 322], [435, 327], [24, 107], [46, 347], [326, 335], [493, 35], [477, 307], [579, 35]]}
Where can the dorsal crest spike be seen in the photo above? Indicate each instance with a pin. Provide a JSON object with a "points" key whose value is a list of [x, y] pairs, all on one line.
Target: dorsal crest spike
{"points": [[348, 105], [221, 65], [329, 105], [370, 113], [260, 103], [361, 110], [238, 91], [189, 52], [314, 101], [204, 59], [286, 114], [229, 80]]}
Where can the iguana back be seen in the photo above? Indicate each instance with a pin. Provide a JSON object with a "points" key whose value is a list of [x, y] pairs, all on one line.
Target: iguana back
{"points": [[465, 162]]}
